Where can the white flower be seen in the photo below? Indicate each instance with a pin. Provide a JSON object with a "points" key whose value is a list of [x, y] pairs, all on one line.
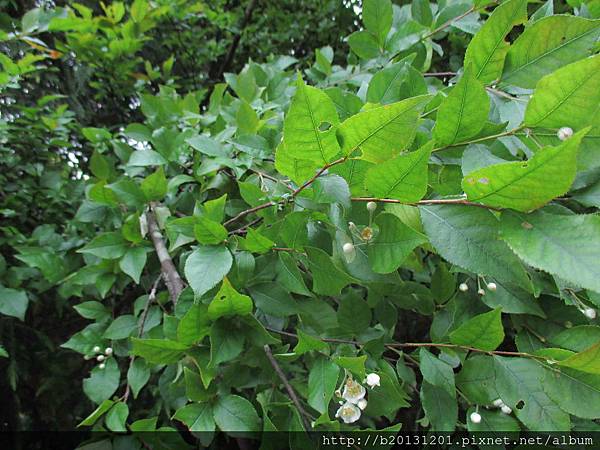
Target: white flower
{"points": [[498, 402], [96, 349], [353, 391], [373, 380], [564, 133], [362, 404], [100, 358], [481, 291], [108, 351], [348, 412], [371, 206], [505, 409], [590, 313], [475, 417], [492, 286], [463, 287], [102, 366]]}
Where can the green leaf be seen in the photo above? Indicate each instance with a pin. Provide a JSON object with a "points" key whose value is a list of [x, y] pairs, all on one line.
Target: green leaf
{"points": [[96, 414], [194, 325], [206, 266], [138, 375], [158, 351], [393, 244], [519, 381], [468, 237], [364, 44], [577, 338], [439, 406], [402, 178], [547, 45], [296, 169], [144, 158], [567, 97], [355, 364], [235, 413], [586, 361], [121, 327], [487, 50], [106, 246], [576, 392], [215, 209], [464, 113], [116, 418], [256, 242], [327, 278], [547, 242], [382, 133], [512, 300], [229, 302], [437, 372], [209, 232], [421, 11], [289, 275], [99, 166], [102, 383], [395, 83], [484, 331], [128, 192], [133, 262], [377, 17], [273, 300], [524, 185], [154, 186], [307, 343], [198, 417], [13, 302], [309, 126], [477, 379], [3, 352], [322, 381], [225, 342]]}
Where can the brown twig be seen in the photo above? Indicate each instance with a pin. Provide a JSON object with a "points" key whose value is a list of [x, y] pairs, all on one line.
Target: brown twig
{"points": [[393, 345], [169, 271], [141, 324], [433, 201], [439, 74], [288, 387]]}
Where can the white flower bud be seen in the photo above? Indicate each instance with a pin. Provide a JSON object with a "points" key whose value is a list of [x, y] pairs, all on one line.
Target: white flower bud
{"points": [[373, 380], [87, 357], [590, 313], [348, 248], [108, 351], [568, 324], [475, 417], [102, 366], [100, 358], [492, 286], [498, 402], [362, 404], [463, 287], [96, 349], [371, 206], [348, 412], [564, 133], [506, 409], [480, 291]]}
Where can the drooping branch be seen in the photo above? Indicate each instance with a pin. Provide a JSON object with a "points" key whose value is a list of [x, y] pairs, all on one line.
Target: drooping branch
{"points": [[170, 274], [288, 387], [433, 201]]}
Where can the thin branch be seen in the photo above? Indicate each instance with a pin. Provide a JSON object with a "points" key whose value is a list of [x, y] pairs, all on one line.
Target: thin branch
{"points": [[141, 324], [439, 74], [394, 345], [291, 196], [449, 22], [288, 387], [433, 201], [481, 139], [236, 39], [169, 271]]}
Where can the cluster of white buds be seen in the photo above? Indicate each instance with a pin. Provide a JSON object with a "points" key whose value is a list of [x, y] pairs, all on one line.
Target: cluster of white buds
{"points": [[353, 395], [564, 133], [498, 403], [100, 357], [464, 287]]}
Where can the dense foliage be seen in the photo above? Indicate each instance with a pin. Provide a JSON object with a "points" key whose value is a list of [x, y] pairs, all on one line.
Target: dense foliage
{"points": [[403, 221]]}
